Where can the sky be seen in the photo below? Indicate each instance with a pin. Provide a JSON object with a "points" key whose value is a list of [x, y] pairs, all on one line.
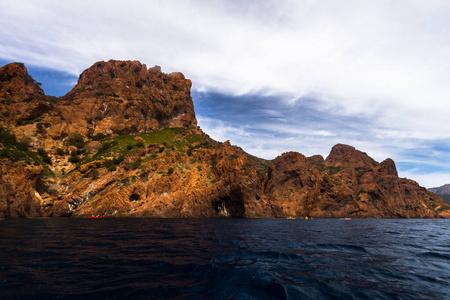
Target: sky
{"points": [[270, 76]]}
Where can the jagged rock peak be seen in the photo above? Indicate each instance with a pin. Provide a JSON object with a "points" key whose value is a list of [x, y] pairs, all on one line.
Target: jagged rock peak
{"points": [[17, 83], [119, 76], [124, 97], [289, 162], [291, 158], [388, 167], [344, 155], [316, 159], [12, 70], [341, 150]]}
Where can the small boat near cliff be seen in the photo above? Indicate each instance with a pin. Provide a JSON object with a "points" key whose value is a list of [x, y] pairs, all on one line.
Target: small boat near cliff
{"points": [[345, 218], [95, 217]]}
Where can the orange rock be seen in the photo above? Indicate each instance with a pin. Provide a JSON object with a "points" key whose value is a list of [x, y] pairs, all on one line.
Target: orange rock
{"points": [[19, 190]]}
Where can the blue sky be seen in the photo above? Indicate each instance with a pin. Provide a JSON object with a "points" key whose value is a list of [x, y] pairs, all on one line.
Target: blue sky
{"points": [[270, 76]]}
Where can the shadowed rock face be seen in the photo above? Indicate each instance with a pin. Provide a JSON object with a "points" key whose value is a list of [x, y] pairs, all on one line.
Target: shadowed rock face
{"points": [[124, 142], [18, 190]]}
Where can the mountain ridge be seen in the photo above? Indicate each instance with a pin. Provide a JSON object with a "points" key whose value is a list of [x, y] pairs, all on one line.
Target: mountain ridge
{"points": [[124, 142], [442, 191]]}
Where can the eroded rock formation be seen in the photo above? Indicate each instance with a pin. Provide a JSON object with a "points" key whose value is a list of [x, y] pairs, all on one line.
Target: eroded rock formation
{"points": [[120, 98], [347, 183], [124, 142], [19, 191]]}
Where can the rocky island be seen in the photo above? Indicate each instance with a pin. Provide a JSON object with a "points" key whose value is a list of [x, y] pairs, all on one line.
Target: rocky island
{"points": [[124, 142]]}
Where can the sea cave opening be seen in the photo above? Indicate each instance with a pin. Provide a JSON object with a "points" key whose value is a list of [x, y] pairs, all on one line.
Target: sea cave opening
{"points": [[230, 206]]}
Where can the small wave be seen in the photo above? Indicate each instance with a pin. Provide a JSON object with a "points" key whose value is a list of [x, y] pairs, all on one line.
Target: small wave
{"points": [[415, 246], [342, 247], [239, 284], [40, 254], [353, 248], [435, 255], [394, 232], [273, 256]]}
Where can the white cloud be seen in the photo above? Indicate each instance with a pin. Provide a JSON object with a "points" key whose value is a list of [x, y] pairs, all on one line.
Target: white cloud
{"points": [[294, 130], [219, 130], [428, 180], [352, 53]]}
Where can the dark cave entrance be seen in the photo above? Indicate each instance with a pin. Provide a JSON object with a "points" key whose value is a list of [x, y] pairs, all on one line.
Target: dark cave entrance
{"points": [[230, 206], [135, 197]]}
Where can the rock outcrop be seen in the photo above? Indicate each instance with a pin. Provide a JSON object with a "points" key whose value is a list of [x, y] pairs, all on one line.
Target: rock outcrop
{"points": [[120, 98], [347, 183], [125, 142], [206, 182], [111, 98], [18, 189], [22, 101]]}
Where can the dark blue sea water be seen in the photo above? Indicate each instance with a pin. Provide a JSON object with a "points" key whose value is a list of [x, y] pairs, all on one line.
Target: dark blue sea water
{"points": [[70, 258]]}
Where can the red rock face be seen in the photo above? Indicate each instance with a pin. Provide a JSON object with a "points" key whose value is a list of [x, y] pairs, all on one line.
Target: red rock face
{"points": [[210, 182], [347, 184], [17, 84], [21, 98], [18, 189], [118, 97], [178, 172]]}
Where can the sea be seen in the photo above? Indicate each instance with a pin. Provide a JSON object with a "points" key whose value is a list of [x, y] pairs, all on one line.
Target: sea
{"points": [[113, 258]]}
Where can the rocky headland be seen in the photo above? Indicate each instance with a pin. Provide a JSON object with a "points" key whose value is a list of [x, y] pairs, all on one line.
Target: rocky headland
{"points": [[124, 142]]}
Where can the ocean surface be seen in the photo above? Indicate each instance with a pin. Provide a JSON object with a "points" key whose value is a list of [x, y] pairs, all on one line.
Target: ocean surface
{"points": [[74, 258]]}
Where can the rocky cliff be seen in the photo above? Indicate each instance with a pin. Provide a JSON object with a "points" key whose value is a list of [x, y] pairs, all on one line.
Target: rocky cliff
{"points": [[22, 101], [347, 183], [111, 98], [124, 142]]}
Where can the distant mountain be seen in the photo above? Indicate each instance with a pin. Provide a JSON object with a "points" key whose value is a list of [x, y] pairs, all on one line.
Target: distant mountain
{"points": [[442, 191], [124, 142], [445, 197]]}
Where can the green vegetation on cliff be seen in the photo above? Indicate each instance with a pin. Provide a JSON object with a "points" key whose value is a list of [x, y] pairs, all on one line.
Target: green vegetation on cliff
{"points": [[113, 150], [15, 151]]}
